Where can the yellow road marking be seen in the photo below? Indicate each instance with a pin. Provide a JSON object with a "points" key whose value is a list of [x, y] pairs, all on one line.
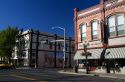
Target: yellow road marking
{"points": [[22, 77], [3, 75], [42, 81]]}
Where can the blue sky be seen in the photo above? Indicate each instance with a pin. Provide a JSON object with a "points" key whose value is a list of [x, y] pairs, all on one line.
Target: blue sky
{"points": [[41, 14]]}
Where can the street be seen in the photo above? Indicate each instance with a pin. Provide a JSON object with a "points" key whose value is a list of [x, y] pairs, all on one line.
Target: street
{"points": [[47, 75]]}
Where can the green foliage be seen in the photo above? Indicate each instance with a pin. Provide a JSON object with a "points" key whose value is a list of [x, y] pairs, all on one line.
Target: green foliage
{"points": [[7, 41], [112, 64]]}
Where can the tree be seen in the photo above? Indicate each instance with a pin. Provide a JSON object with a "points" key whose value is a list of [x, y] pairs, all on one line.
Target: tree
{"points": [[7, 42]]}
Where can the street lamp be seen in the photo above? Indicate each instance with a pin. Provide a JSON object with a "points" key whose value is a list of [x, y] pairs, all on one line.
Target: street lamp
{"points": [[64, 49]]}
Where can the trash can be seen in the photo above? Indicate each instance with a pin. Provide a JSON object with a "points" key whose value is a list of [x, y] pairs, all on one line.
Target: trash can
{"points": [[76, 68]]}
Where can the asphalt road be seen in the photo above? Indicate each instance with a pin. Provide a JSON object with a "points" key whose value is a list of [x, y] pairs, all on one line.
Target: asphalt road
{"points": [[48, 75]]}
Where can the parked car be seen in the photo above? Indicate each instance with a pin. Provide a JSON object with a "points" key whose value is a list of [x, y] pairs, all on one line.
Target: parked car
{"points": [[6, 66]]}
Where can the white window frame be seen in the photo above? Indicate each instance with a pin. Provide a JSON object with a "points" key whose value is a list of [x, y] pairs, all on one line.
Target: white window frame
{"points": [[83, 32], [116, 26], [94, 31]]}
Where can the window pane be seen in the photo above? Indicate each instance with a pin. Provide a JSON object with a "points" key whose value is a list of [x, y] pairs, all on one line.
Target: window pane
{"points": [[112, 33], [120, 32], [120, 19], [94, 32], [94, 25], [121, 27], [83, 28], [84, 35], [111, 29], [83, 38], [95, 37], [111, 21]]}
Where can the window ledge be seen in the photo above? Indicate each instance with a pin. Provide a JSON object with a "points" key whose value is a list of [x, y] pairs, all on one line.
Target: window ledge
{"points": [[117, 36], [95, 40]]}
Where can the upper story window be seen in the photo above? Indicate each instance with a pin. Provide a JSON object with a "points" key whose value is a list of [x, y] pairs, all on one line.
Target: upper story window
{"points": [[94, 30], [27, 43], [59, 46], [66, 47], [50, 45], [116, 25], [83, 32]]}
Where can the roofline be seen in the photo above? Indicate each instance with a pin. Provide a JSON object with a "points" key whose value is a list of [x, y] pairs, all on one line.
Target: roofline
{"points": [[88, 9]]}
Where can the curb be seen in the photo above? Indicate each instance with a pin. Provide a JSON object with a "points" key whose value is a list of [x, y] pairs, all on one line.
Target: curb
{"points": [[99, 75], [108, 76], [76, 73], [114, 77]]}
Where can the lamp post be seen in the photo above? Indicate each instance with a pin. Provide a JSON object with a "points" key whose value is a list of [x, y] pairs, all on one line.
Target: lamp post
{"points": [[86, 55], [64, 49]]}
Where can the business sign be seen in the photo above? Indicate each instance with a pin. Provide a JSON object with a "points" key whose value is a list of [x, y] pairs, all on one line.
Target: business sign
{"points": [[80, 46], [90, 44], [95, 44]]}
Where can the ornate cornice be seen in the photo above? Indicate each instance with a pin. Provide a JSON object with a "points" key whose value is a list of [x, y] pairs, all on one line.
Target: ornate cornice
{"points": [[113, 6]]}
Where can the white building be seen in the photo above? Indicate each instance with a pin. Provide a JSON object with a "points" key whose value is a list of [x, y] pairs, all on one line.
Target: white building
{"points": [[36, 49]]}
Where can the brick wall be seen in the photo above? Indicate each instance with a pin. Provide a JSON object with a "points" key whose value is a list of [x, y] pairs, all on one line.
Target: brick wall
{"points": [[96, 13]]}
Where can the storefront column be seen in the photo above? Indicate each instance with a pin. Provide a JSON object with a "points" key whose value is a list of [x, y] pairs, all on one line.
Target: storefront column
{"points": [[70, 41], [37, 46], [55, 51], [31, 40]]}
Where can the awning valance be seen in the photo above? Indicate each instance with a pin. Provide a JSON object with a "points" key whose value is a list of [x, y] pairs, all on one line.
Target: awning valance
{"points": [[115, 53], [111, 53], [95, 54]]}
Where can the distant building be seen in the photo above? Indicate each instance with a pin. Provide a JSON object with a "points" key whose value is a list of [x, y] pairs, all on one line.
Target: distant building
{"points": [[103, 26], [38, 49]]}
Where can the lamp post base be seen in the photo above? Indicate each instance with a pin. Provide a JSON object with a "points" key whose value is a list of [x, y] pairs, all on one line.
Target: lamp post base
{"points": [[87, 72], [64, 66], [64, 69]]}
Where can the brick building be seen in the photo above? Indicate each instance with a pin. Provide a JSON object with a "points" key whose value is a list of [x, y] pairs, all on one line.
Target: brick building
{"points": [[35, 49], [103, 27]]}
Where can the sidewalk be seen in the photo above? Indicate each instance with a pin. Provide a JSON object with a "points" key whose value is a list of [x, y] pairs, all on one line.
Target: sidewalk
{"points": [[117, 76], [23, 68]]}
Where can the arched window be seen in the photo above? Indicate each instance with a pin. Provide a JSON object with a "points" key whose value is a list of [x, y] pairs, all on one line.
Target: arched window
{"points": [[83, 32], [116, 25], [94, 30]]}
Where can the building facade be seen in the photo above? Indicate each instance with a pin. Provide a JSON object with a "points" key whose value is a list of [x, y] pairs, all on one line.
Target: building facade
{"points": [[38, 49], [103, 28]]}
